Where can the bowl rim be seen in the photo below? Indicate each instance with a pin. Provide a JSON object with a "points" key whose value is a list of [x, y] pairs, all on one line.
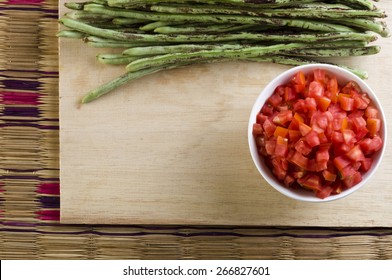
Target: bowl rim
{"points": [[283, 78]]}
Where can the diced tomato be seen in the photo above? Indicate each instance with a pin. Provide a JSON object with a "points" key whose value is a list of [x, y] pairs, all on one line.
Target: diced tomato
{"points": [[275, 100], [302, 147], [371, 112], [374, 126], [310, 104], [323, 103], [355, 154], [329, 176], [294, 135], [267, 110], [360, 102], [337, 137], [270, 147], [288, 180], [298, 159], [346, 103], [319, 76], [312, 139], [351, 87], [371, 145], [316, 90], [304, 129], [278, 168], [299, 82], [324, 192], [289, 94], [269, 127], [281, 147], [317, 134], [311, 182], [359, 125], [322, 155], [349, 136], [352, 180], [332, 88], [260, 118], [283, 117], [366, 163], [281, 131], [340, 163], [257, 129]]}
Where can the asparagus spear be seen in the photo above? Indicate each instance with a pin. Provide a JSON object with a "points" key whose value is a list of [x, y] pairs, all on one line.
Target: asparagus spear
{"points": [[131, 37]]}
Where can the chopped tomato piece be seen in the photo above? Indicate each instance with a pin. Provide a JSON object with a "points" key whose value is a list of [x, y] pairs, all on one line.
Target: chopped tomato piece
{"points": [[302, 147], [275, 100], [278, 168], [349, 136], [298, 159], [257, 129], [299, 81], [322, 155], [288, 180], [311, 182], [346, 103], [270, 147], [289, 94], [371, 145], [374, 126], [324, 192], [355, 154], [352, 180], [371, 112], [319, 76], [267, 110], [340, 163], [323, 103], [281, 131], [316, 89], [294, 135], [333, 88], [360, 102], [329, 176], [283, 117], [312, 139], [281, 147], [366, 163], [260, 118], [304, 129], [269, 127]]}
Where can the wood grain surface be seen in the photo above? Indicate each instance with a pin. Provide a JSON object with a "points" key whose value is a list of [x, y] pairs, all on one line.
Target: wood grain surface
{"points": [[171, 148]]}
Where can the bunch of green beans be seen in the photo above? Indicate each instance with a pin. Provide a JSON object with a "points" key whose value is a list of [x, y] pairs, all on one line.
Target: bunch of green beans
{"points": [[156, 35]]}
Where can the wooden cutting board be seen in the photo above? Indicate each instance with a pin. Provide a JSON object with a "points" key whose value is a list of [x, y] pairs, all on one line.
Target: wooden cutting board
{"points": [[171, 148]]}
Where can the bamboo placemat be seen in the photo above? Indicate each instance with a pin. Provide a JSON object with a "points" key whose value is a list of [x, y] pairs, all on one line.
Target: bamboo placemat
{"points": [[29, 177]]}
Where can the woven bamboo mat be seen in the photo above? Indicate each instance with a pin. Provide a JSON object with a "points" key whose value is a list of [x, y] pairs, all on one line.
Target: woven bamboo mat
{"points": [[29, 177]]}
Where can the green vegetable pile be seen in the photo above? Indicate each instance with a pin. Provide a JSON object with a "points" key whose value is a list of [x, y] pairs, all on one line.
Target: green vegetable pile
{"points": [[150, 36]]}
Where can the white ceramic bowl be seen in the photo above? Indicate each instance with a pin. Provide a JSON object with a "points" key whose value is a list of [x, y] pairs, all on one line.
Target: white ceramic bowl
{"points": [[343, 76]]}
